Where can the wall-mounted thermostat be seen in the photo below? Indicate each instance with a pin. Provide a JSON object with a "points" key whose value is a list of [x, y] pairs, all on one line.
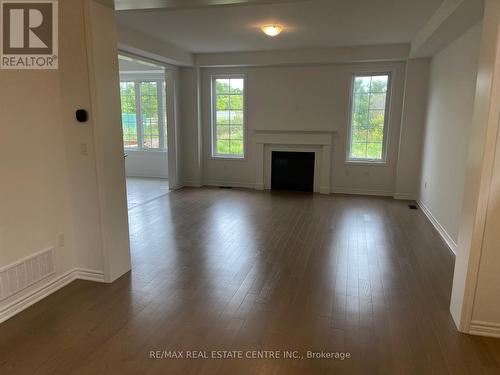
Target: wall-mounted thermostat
{"points": [[81, 115]]}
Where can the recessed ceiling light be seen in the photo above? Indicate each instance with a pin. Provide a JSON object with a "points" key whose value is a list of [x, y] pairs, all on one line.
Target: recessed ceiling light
{"points": [[272, 30]]}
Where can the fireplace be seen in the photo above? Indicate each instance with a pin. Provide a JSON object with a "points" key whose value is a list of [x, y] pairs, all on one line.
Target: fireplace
{"points": [[292, 171], [318, 142]]}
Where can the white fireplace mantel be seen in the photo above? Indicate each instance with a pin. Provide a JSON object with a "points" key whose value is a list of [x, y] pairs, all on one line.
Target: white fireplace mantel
{"points": [[318, 141]]}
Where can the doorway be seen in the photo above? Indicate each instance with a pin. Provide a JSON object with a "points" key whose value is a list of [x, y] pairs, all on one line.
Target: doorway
{"points": [[143, 94]]}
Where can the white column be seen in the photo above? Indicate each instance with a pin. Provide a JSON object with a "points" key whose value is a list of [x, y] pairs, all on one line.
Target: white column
{"points": [[475, 305]]}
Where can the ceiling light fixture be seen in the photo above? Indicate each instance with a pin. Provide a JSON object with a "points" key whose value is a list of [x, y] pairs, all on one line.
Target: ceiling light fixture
{"points": [[272, 30]]}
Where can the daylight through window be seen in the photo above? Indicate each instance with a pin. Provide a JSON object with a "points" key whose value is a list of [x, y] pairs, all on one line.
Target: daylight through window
{"points": [[143, 114], [228, 117], [368, 118]]}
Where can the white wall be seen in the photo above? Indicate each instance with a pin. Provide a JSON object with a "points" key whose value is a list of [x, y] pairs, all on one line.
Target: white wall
{"points": [[191, 126], [448, 124], [82, 174], [412, 129], [34, 193], [146, 164], [487, 302], [302, 98], [108, 137]]}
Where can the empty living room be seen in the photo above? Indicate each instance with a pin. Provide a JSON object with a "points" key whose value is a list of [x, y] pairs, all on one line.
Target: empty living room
{"points": [[249, 187]]}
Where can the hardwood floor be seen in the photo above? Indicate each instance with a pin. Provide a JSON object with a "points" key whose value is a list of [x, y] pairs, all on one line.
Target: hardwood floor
{"points": [[144, 189], [217, 269]]}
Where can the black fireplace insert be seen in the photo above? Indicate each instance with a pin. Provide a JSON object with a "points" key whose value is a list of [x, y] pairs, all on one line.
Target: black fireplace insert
{"points": [[292, 171]]}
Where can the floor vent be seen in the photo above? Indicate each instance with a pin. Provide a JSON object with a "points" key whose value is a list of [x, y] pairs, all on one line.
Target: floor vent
{"points": [[20, 275], [412, 206]]}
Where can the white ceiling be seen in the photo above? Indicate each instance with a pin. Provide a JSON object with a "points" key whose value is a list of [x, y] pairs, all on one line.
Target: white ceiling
{"points": [[308, 24]]}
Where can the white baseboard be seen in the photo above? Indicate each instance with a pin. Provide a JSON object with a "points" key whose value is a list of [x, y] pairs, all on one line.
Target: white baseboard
{"points": [[90, 275], [231, 184], [405, 197], [25, 301], [442, 232], [382, 193], [148, 175], [322, 190], [481, 328]]}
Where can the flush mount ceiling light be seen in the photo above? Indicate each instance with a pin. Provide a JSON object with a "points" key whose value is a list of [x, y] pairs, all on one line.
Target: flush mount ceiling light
{"points": [[272, 30]]}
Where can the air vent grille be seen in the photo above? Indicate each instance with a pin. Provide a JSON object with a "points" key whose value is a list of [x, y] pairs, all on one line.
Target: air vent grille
{"points": [[20, 275]]}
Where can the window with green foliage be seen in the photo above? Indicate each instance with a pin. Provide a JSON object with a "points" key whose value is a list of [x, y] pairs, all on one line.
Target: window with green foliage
{"points": [[228, 108], [143, 114], [129, 122], [150, 115], [368, 118]]}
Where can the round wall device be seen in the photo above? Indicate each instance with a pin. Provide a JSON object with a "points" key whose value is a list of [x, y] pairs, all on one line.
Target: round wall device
{"points": [[81, 115]]}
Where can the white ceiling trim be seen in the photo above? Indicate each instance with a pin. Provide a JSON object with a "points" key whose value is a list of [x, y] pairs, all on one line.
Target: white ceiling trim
{"points": [[338, 55], [451, 19], [142, 45], [189, 4]]}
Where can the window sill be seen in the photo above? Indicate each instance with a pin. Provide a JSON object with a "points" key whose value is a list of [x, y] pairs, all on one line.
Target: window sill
{"points": [[134, 150], [367, 163], [228, 157]]}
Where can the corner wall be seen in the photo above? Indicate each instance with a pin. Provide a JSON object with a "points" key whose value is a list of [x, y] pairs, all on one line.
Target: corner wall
{"points": [[102, 53], [475, 304], [412, 129], [448, 124]]}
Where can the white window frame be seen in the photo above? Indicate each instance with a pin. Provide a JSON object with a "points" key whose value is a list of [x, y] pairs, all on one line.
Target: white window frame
{"points": [[213, 109], [385, 141], [162, 121]]}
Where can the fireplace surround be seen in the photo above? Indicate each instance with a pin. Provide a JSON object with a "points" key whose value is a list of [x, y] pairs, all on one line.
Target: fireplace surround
{"points": [[317, 141]]}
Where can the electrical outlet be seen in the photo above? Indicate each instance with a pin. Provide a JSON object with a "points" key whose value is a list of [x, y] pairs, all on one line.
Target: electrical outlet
{"points": [[60, 240], [425, 185]]}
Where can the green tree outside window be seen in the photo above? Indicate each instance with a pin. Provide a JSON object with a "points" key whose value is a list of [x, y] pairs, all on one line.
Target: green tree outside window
{"points": [[368, 117], [229, 116]]}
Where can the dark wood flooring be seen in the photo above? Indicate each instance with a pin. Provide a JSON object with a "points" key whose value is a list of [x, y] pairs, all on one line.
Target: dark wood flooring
{"points": [[217, 269]]}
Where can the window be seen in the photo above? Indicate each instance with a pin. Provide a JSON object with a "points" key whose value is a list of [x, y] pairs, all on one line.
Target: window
{"points": [[129, 122], [143, 114], [368, 118], [228, 111]]}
